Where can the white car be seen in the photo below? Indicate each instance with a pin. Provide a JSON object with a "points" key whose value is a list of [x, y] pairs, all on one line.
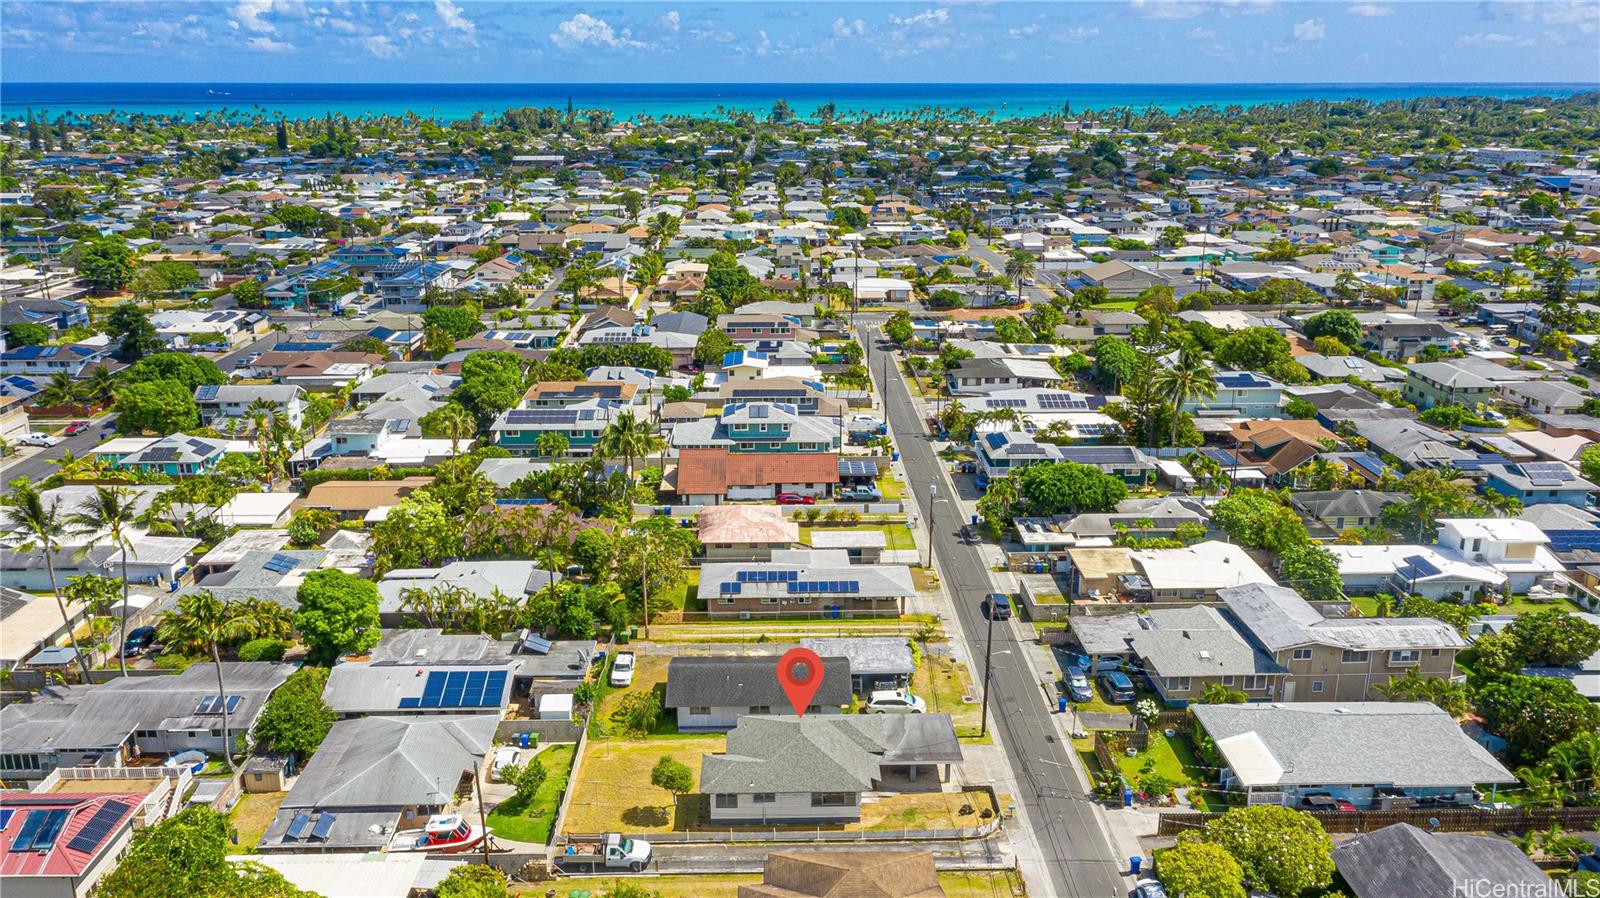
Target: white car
{"points": [[503, 757], [895, 701], [39, 439], [622, 669]]}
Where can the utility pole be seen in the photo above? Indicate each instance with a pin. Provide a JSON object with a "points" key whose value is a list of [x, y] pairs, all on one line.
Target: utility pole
{"points": [[988, 658], [644, 582], [933, 508], [483, 819]]}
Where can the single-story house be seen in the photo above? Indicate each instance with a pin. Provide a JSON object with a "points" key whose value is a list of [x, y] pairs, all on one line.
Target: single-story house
{"points": [[713, 692]]}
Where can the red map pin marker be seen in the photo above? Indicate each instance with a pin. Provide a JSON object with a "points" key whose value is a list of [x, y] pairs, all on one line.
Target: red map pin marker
{"points": [[800, 673]]}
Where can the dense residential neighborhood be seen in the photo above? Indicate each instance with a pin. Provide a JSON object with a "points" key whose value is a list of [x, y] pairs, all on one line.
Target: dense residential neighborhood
{"points": [[397, 508]]}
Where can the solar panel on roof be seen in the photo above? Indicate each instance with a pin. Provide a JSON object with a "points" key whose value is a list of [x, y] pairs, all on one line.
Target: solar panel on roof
{"points": [[206, 392], [455, 683], [1006, 403], [536, 644], [105, 819], [411, 702], [297, 826], [281, 563], [5, 818], [161, 453], [1420, 566], [472, 696], [433, 689], [494, 688], [323, 827]]}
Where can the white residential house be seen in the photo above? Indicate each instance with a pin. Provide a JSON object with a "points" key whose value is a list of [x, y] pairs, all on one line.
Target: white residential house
{"points": [[1516, 548]]}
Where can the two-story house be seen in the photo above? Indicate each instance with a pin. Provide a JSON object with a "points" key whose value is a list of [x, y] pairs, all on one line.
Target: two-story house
{"points": [[1539, 483], [760, 427], [1440, 383], [518, 429], [72, 359], [241, 402], [1514, 547], [1240, 394], [1338, 659]]}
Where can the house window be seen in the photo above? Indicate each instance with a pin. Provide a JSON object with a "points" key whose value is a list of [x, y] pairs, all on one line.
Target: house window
{"points": [[702, 711], [727, 800], [1433, 653], [1227, 681], [764, 798], [1408, 656], [1178, 684], [1301, 655], [1353, 657], [725, 600], [760, 709], [1316, 686], [1249, 683], [831, 799]]}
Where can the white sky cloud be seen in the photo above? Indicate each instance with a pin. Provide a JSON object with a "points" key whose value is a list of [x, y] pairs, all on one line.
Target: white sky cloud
{"points": [[926, 17], [250, 13], [671, 21], [1310, 30], [1370, 10], [454, 18], [585, 30], [841, 28], [268, 45], [380, 46]]}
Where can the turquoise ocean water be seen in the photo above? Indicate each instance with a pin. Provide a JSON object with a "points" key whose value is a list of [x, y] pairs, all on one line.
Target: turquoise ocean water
{"points": [[625, 101]]}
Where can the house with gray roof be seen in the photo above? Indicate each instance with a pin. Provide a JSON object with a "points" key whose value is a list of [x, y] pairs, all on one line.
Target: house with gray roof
{"points": [[876, 662], [481, 578], [373, 776], [1416, 445], [803, 580], [221, 403], [714, 693], [814, 768], [1341, 509], [1403, 861], [1381, 755], [1183, 651], [108, 724], [1337, 659]]}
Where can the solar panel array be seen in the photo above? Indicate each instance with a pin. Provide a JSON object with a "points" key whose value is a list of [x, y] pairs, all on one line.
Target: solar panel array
{"points": [[1419, 566], [767, 576], [731, 589], [40, 830], [99, 826], [858, 468], [297, 826], [206, 392], [536, 644], [5, 817], [212, 704], [459, 689], [1062, 402], [1547, 473], [1095, 430], [1006, 403], [1025, 449], [824, 586], [281, 563], [161, 453], [323, 826]]}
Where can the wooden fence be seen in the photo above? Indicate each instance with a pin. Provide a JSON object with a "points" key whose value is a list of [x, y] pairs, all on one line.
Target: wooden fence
{"points": [[1448, 820]]}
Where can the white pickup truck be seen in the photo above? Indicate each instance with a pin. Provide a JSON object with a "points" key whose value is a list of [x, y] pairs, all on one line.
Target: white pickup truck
{"points": [[610, 851]]}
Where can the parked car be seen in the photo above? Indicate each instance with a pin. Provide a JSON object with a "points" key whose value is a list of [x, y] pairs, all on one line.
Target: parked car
{"points": [[795, 499], [39, 439], [622, 669], [1322, 801], [1149, 888], [76, 428], [895, 701], [1108, 662], [138, 642], [247, 361], [997, 606], [860, 494], [503, 757], [1117, 687], [1078, 687]]}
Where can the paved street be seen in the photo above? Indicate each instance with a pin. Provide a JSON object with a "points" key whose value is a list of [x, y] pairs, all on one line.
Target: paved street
{"points": [[1076, 852], [978, 249]]}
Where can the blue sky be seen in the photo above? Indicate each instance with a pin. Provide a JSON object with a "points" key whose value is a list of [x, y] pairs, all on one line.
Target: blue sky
{"points": [[755, 41]]}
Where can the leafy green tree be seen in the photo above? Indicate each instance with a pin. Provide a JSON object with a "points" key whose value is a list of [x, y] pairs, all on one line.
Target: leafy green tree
{"points": [[1115, 363], [473, 881], [1533, 714], [449, 422], [338, 613], [1452, 698], [1062, 487], [1553, 638], [594, 549], [295, 719], [1313, 571], [1589, 459], [136, 337], [491, 382], [552, 444], [1260, 520], [1432, 496], [190, 370], [104, 263], [250, 294], [186, 856], [1453, 613], [460, 322], [672, 775], [1196, 869], [898, 328], [1188, 379], [1281, 850], [1300, 409], [1252, 349], [27, 333], [640, 712], [202, 623], [417, 532], [525, 778], [158, 406], [712, 346], [1336, 323], [1218, 694]]}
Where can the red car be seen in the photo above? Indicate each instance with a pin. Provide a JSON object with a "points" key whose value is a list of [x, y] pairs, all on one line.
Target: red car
{"points": [[795, 499], [76, 427]]}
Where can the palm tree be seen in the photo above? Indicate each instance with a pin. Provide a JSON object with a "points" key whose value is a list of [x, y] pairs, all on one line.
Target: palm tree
{"points": [[201, 623], [42, 527], [1187, 379], [106, 517], [60, 390], [1020, 266], [99, 385], [455, 424], [628, 438]]}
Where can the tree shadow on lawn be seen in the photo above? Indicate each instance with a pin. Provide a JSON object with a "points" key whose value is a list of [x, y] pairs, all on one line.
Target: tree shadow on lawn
{"points": [[645, 815]]}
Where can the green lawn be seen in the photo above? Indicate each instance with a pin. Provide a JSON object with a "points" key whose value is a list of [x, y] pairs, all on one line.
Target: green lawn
{"points": [[895, 536], [682, 594], [532, 821], [1522, 605], [1126, 305], [890, 487], [945, 684]]}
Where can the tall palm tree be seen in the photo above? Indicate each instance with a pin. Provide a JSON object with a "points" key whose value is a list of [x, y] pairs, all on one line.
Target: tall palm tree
{"points": [[107, 517], [1187, 379], [42, 527], [1020, 266], [455, 424], [628, 437], [203, 622], [61, 389], [99, 385]]}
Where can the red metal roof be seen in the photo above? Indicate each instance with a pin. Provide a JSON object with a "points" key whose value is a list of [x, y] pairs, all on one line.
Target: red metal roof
{"points": [[61, 858]]}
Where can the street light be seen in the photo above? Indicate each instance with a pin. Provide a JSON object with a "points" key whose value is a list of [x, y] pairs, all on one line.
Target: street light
{"points": [[988, 667]]}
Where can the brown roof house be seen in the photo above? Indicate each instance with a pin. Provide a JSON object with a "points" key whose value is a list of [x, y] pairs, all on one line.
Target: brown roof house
{"points": [[713, 476], [745, 532], [319, 370], [358, 499], [847, 874]]}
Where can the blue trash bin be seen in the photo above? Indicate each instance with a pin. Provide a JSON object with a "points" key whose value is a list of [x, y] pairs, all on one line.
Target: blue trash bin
{"points": [[1134, 863], [1061, 704], [1127, 797]]}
